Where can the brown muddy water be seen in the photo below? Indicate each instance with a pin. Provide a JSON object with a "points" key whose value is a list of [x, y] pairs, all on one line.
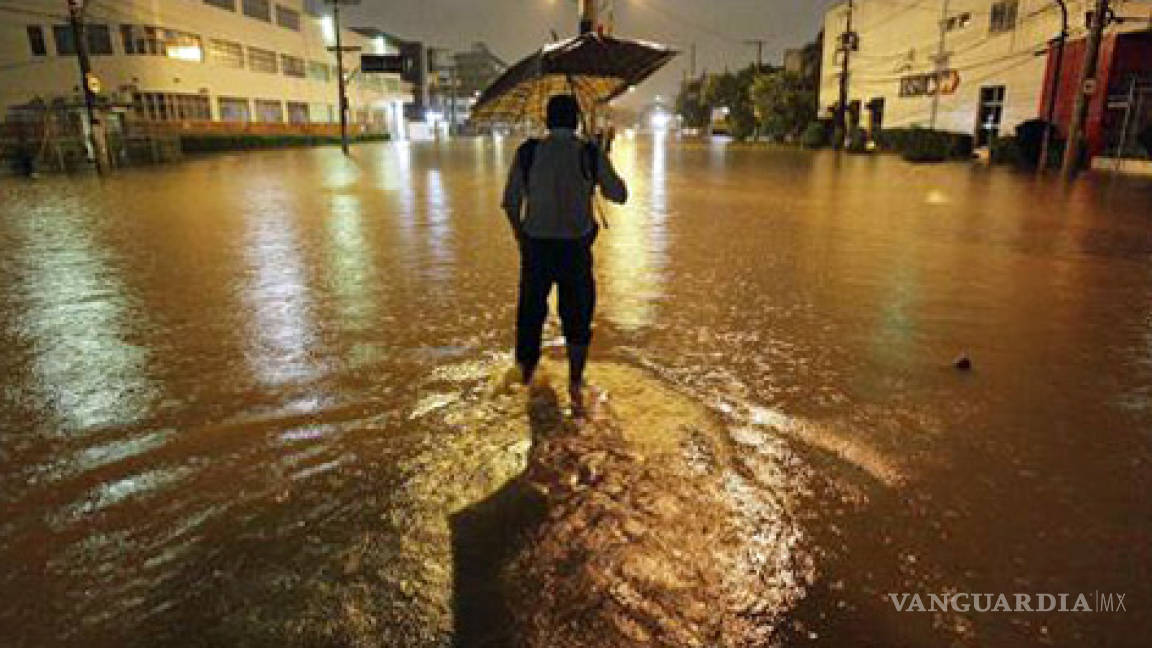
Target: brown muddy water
{"points": [[247, 399]]}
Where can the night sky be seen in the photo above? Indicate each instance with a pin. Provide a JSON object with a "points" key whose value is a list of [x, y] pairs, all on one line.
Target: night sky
{"points": [[514, 28]]}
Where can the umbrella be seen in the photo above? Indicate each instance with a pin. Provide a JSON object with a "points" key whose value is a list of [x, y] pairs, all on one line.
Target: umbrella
{"points": [[594, 68]]}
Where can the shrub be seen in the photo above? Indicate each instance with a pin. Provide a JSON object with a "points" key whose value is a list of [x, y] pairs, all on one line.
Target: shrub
{"points": [[923, 145], [857, 141], [1006, 150], [217, 143], [1145, 139], [815, 135]]}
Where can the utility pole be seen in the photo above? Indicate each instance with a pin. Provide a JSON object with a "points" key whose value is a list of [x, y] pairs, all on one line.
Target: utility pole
{"points": [[941, 56], [1054, 89], [693, 64], [1087, 88], [588, 16], [87, 80], [341, 81], [847, 45], [759, 43]]}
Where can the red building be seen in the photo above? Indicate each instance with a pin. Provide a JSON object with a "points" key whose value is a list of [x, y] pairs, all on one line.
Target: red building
{"points": [[1125, 71]]}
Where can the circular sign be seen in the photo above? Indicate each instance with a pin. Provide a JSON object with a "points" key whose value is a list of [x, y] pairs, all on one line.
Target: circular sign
{"points": [[1089, 86]]}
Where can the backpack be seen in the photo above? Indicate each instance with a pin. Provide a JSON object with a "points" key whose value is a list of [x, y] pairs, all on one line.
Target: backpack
{"points": [[589, 160]]}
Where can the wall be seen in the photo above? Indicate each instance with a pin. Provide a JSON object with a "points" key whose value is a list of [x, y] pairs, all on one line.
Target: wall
{"points": [[898, 39], [24, 76]]}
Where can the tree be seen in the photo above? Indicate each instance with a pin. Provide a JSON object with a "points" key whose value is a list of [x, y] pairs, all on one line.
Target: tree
{"points": [[731, 91], [691, 104], [784, 103]]}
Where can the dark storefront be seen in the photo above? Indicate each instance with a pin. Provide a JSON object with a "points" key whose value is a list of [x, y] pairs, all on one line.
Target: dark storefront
{"points": [[1121, 106]]}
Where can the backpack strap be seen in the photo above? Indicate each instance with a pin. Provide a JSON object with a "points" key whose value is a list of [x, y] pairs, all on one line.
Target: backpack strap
{"points": [[525, 156]]}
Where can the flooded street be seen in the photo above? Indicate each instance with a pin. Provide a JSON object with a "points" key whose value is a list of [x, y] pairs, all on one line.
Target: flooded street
{"points": [[244, 397]]}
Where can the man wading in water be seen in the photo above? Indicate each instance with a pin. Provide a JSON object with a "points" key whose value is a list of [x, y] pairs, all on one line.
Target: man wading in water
{"points": [[558, 176]]}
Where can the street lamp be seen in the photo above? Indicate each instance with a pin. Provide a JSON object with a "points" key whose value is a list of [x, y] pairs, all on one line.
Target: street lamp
{"points": [[1054, 91]]}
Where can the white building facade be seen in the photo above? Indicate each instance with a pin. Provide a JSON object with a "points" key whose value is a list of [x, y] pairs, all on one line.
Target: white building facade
{"points": [[216, 65], [978, 67]]}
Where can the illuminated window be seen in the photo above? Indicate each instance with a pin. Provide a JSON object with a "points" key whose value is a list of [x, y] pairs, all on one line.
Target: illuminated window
{"points": [[260, 60], [269, 111], [36, 40], [259, 9], [143, 40], [292, 66], [1004, 13], [289, 18], [226, 53]]}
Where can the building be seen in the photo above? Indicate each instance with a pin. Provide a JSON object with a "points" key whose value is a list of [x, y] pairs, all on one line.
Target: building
{"points": [[476, 68], [198, 65], [805, 61], [982, 68], [458, 78]]}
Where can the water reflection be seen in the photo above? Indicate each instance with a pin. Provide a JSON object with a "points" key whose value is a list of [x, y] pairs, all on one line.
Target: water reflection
{"points": [[281, 333], [75, 309], [352, 272], [632, 251], [438, 234]]}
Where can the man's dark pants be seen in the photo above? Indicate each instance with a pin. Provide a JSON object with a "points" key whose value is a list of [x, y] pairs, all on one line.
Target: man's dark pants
{"points": [[567, 263]]}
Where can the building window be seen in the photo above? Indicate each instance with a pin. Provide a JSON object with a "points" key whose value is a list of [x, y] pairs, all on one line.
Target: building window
{"points": [[269, 111], [230, 5], [98, 37], [1004, 13], [157, 106], [958, 22], [65, 44], [99, 40], [292, 66], [226, 53], [260, 60], [318, 71], [318, 113], [297, 112], [289, 18], [258, 9], [991, 114], [142, 40], [36, 40], [233, 109]]}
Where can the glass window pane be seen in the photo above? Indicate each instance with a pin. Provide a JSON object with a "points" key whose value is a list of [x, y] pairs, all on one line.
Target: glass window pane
{"points": [[65, 44]]}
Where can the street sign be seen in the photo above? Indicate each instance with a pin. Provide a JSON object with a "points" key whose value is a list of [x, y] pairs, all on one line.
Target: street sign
{"points": [[93, 83], [386, 64], [1089, 86]]}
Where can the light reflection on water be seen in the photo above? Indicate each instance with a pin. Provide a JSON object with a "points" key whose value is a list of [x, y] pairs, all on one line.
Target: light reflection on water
{"points": [[632, 251], [73, 310], [281, 330], [253, 383]]}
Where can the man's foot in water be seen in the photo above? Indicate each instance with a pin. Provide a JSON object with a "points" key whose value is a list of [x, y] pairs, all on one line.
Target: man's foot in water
{"points": [[576, 394]]}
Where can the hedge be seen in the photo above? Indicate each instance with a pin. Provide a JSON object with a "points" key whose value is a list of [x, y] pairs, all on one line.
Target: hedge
{"points": [[214, 143], [923, 145]]}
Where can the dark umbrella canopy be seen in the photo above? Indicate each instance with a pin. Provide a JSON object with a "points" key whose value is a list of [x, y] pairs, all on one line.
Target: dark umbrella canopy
{"points": [[595, 68]]}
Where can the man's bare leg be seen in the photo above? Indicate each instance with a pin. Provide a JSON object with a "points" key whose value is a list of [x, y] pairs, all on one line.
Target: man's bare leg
{"points": [[577, 359]]}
